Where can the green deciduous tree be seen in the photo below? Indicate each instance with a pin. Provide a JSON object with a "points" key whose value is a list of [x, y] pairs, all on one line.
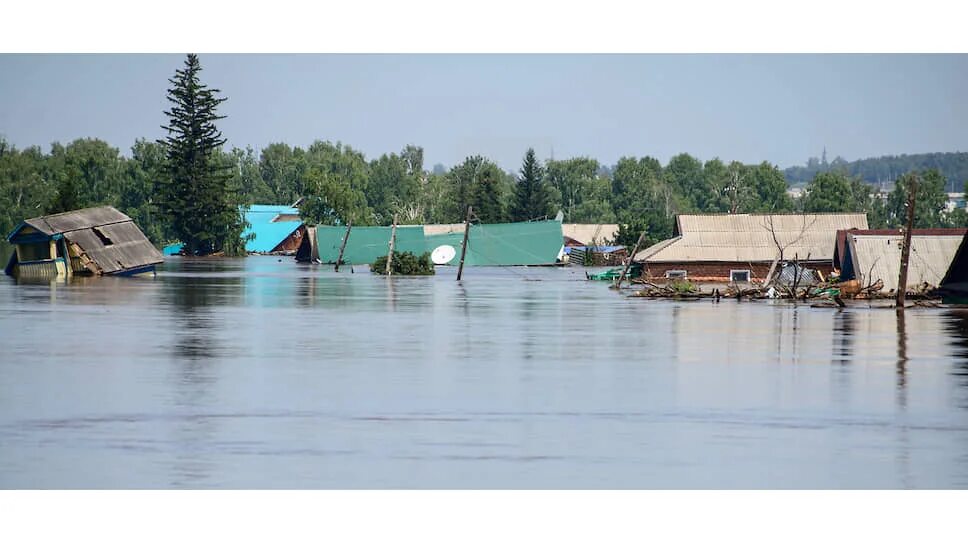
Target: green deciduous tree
{"points": [[332, 201], [196, 195], [570, 180], [929, 201], [142, 171], [394, 185], [283, 170], [829, 192], [768, 190], [684, 175], [336, 185], [642, 200]]}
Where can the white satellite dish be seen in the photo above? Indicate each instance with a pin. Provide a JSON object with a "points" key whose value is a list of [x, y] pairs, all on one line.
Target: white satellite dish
{"points": [[443, 254]]}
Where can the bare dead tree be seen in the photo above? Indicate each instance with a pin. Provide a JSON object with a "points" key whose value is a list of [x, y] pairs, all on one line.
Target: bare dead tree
{"points": [[780, 247]]}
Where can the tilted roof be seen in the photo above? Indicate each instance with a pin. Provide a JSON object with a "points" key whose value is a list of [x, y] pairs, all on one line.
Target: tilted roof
{"points": [[500, 244], [107, 236], [878, 257], [840, 254], [752, 237], [60, 223]]}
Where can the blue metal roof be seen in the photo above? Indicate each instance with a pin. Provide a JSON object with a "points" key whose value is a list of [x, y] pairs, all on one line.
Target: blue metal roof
{"points": [[267, 234]]}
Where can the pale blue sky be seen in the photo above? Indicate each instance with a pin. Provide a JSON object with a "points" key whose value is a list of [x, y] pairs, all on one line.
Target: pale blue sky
{"points": [[780, 108]]}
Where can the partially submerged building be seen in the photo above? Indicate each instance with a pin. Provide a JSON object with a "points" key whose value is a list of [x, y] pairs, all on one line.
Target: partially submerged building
{"points": [[596, 255], [954, 284], [743, 247], [503, 244], [873, 257], [590, 244], [100, 241], [497, 244], [588, 234], [274, 230]]}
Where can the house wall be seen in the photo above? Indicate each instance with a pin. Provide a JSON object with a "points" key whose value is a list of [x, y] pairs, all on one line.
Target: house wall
{"points": [[41, 270], [719, 271], [292, 242]]}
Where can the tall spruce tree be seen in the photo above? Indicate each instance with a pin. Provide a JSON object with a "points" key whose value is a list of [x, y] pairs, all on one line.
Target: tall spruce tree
{"points": [[203, 210], [531, 197]]}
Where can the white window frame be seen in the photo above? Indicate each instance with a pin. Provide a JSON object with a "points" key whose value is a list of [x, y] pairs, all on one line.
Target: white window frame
{"points": [[679, 274], [748, 272]]}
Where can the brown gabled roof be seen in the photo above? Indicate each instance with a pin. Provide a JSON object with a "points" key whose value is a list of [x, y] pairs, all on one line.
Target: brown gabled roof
{"points": [[108, 237]]}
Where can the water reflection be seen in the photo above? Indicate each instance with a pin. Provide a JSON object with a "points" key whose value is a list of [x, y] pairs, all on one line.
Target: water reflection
{"points": [[845, 324], [902, 359], [260, 373], [197, 337], [956, 325], [196, 356]]}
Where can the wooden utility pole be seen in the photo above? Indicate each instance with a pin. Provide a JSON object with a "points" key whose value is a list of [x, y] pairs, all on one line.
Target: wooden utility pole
{"points": [[342, 247], [393, 238], [906, 248], [463, 247], [628, 262]]}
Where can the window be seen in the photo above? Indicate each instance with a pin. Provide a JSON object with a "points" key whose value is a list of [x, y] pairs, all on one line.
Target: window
{"points": [[675, 274], [739, 276]]}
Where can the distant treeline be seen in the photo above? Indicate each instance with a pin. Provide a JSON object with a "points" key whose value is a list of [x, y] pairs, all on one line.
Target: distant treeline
{"points": [[887, 169], [338, 183]]}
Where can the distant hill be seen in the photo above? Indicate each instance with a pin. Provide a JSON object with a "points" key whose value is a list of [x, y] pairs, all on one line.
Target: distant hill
{"points": [[883, 171]]}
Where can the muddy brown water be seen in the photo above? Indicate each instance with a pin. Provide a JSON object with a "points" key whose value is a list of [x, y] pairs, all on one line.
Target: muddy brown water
{"points": [[260, 373]]}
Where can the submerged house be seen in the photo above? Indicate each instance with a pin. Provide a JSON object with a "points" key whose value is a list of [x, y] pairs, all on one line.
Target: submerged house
{"points": [[498, 244], [99, 241], [588, 244], [954, 284], [743, 247], [872, 256], [274, 230], [277, 229], [586, 234]]}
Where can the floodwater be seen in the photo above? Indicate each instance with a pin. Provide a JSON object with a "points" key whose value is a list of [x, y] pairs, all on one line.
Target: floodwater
{"points": [[261, 373]]}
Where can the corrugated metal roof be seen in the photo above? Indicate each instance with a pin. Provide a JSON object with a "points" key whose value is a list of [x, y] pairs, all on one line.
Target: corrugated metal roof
{"points": [[269, 235], [840, 254], [878, 257], [586, 233], [366, 244], [499, 244], [589, 233], [749, 237], [957, 274], [265, 222], [504, 244]]}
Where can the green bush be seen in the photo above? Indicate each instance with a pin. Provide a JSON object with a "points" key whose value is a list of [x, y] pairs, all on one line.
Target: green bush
{"points": [[682, 287], [405, 264]]}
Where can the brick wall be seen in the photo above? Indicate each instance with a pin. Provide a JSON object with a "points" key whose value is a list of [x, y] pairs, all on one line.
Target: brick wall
{"points": [[719, 271]]}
